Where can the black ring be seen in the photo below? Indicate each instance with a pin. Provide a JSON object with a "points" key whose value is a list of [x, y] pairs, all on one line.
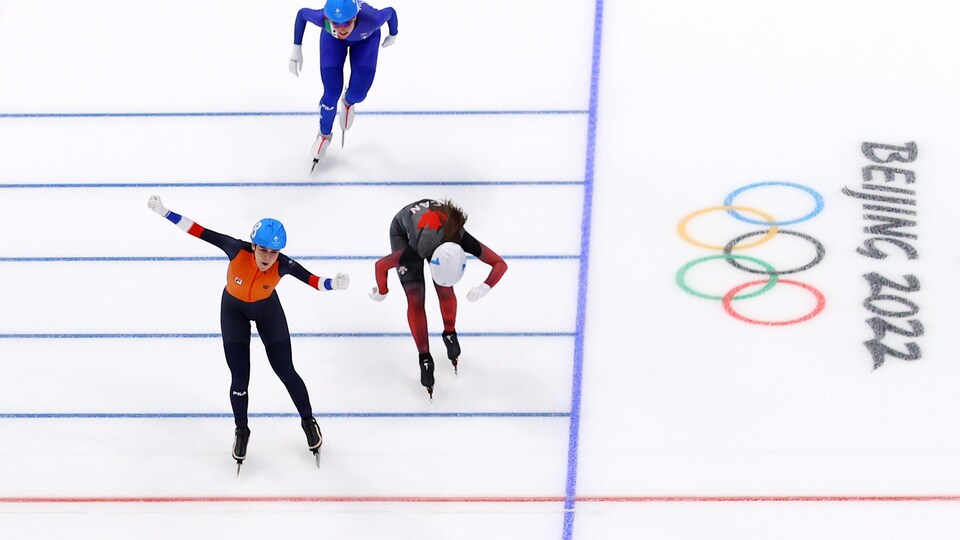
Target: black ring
{"points": [[816, 260]]}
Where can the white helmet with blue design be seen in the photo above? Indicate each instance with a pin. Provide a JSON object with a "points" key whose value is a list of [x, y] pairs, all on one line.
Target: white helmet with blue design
{"points": [[447, 264]]}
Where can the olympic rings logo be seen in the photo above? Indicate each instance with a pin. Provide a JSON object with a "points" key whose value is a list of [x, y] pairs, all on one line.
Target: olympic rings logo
{"points": [[747, 241]]}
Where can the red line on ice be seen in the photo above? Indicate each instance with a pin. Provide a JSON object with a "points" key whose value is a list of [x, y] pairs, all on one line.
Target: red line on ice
{"points": [[501, 500]]}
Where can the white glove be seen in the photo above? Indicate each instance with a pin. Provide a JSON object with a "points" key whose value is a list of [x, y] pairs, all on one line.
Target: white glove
{"points": [[389, 40], [296, 61], [376, 296], [341, 282], [155, 204], [477, 292]]}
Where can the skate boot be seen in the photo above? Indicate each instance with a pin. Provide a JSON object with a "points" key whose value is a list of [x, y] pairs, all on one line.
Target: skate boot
{"points": [[241, 436], [426, 373], [453, 348], [319, 148], [345, 113], [314, 437]]}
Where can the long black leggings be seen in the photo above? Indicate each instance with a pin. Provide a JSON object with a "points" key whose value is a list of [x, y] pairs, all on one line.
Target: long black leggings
{"points": [[235, 317]]}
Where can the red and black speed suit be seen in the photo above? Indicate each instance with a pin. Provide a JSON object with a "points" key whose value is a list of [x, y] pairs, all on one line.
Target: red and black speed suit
{"points": [[415, 232]]}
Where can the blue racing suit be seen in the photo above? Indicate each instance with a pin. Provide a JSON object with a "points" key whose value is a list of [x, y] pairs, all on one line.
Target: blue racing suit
{"points": [[362, 43]]}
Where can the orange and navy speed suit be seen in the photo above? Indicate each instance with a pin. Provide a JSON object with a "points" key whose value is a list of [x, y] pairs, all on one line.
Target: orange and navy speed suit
{"points": [[250, 296]]}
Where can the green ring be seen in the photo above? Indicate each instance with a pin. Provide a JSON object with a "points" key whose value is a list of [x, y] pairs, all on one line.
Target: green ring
{"points": [[683, 271]]}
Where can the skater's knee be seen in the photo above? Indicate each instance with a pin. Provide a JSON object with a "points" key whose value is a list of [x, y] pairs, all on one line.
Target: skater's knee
{"points": [[288, 376], [281, 361], [278, 350], [446, 293], [239, 347], [415, 293], [332, 79], [328, 101], [360, 85], [355, 97]]}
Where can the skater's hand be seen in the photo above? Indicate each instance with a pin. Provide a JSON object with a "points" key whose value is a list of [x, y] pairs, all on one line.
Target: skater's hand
{"points": [[389, 40], [155, 204], [376, 296], [478, 292], [341, 282], [296, 61]]}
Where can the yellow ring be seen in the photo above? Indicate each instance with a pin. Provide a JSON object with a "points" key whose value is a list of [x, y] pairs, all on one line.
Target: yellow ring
{"points": [[682, 226]]}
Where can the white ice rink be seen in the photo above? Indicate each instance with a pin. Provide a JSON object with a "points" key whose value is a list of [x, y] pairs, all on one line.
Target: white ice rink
{"points": [[609, 150]]}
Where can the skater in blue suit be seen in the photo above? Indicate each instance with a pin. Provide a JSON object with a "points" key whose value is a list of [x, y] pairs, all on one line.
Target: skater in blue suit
{"points": [[348, 26]]}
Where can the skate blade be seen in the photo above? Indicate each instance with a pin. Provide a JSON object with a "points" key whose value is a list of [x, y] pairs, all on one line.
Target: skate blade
{"points": [[454, 362], [239, 463], [430, 392], [316, 456], [314, 166], [343, 137]]}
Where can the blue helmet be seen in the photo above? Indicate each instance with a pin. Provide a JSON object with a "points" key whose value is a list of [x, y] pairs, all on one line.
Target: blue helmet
{"points": [[269, 233], [341, 11]]}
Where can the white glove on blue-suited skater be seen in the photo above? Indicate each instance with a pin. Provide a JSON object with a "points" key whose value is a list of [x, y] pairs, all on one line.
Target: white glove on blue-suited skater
{"points": [[296, 61]]}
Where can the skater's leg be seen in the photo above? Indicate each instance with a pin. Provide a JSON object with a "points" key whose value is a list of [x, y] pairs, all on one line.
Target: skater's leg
{"points": [[273, 330], [235, 329], [272, 326], [410, 272], [417, 315], [333, 56], [448, 310], [363, 68], [448, 307]]}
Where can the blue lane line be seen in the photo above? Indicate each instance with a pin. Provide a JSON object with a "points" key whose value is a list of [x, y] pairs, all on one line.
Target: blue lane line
{"points": [[576, 391], [211, 335], [292, 415], [223, 258], [287, 113], [122, 185]]}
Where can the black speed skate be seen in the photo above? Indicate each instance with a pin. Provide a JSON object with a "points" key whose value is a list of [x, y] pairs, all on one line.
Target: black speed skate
{"points": [[426, 373], [453, 348], [240, 439], [314, 437]]}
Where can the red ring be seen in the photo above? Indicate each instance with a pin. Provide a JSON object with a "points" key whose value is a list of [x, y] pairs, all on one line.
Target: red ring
{"points": [[727, 303]]}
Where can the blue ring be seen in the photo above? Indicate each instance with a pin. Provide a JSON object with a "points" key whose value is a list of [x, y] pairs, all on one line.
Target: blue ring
{"points": [[813, 193]]}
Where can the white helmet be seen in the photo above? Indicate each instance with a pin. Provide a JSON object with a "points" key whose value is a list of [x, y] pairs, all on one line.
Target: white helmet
{"points": [[447, 264]]}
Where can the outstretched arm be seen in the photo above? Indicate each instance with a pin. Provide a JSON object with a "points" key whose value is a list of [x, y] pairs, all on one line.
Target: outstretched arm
{"points": [[231, 246], [292, 267]]}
